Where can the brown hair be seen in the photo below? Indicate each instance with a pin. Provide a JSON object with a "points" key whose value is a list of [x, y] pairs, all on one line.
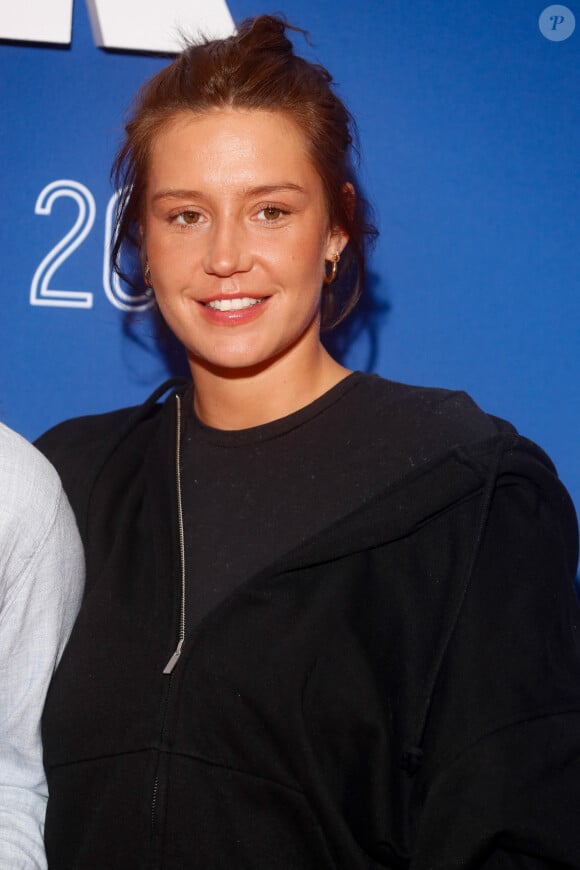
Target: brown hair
{"points": [[254, 69]]}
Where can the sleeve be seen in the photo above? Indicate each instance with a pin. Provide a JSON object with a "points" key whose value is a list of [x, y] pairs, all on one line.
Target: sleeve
{"points": [[41, 585], [500, 785]]}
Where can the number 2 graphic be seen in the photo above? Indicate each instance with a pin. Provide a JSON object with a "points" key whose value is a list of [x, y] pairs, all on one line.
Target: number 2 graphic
{"points": [[41, 293]]}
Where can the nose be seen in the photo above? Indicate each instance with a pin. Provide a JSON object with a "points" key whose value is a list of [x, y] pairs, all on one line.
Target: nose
{"points": [[227, 251]]}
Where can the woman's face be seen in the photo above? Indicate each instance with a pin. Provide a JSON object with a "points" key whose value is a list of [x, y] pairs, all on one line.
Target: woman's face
{"points": [[236, 234]]}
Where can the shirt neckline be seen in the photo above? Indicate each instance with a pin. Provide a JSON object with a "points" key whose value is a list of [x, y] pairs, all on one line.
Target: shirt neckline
{"points": [[195, 428]]}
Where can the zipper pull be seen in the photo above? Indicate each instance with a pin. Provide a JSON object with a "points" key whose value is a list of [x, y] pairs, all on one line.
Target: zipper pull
{"points": [[168, 669]]}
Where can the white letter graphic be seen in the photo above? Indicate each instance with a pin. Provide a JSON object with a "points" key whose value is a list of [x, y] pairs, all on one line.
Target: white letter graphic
{"points": [[157, 25], [36, 20]]}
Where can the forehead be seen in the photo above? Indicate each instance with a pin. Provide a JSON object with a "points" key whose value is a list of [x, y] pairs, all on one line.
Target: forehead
{"points": [[227, 142]]}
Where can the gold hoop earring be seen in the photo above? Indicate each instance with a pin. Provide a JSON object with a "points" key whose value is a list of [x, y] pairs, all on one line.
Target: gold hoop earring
{"points": [[329, 278], [147, 276]]}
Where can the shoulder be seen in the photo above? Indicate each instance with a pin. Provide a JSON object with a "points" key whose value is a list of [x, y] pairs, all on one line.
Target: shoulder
{"points": [[419, 424], [84, 433], [433, 405], [437, 447], [110, 445], [28, 480], [34, 510], [81, 440]]}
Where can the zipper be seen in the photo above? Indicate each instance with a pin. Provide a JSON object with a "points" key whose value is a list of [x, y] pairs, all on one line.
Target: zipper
{"points": [[168, 669]]}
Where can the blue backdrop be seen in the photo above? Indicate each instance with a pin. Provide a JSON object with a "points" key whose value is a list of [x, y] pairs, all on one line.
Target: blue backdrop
{"points": [[469, 124]]}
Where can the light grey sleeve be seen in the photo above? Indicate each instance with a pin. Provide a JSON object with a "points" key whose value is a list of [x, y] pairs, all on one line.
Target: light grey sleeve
{"points": [[41, 583]]}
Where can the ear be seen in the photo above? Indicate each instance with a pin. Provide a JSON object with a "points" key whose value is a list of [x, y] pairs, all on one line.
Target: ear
{"points": [[338, 238], [337, 242]]}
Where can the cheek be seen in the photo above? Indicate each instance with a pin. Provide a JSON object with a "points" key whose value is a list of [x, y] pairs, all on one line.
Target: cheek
{"points": [[309, 260], [170, 256]]}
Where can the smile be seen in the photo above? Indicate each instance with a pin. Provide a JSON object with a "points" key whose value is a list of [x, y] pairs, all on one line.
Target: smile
{"points": [[233, 304]]}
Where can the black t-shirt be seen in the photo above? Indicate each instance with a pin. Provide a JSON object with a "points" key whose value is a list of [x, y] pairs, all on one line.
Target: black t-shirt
{"points": [[252, 495]]}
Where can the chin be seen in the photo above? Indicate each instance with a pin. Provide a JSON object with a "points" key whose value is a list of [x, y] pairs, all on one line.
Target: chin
{"points": [[231, 364]]}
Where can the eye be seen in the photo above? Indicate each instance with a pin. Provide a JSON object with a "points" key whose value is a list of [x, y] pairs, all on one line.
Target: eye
{"points": [[271, 213], [187, 218]]}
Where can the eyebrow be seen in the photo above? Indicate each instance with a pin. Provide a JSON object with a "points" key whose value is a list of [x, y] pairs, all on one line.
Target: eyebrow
{"points": [[260, 190]]}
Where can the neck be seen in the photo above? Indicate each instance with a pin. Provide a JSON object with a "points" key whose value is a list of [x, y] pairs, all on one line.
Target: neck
{"points": [[241, 399]]}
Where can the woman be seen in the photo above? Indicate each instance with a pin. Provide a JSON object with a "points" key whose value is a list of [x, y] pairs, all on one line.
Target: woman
{"points": [[41, 582], [330, 619]]}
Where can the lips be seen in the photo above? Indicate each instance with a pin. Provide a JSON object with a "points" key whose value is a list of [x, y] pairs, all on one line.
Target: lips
{"points": [[234, 304], [231, 311]]}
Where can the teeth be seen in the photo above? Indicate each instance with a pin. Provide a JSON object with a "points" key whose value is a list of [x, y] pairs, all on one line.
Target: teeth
{"points": [[233, 304]]}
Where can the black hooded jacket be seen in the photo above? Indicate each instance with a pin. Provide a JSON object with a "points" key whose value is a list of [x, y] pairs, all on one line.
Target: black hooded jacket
{"points": [[402, 691]]}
